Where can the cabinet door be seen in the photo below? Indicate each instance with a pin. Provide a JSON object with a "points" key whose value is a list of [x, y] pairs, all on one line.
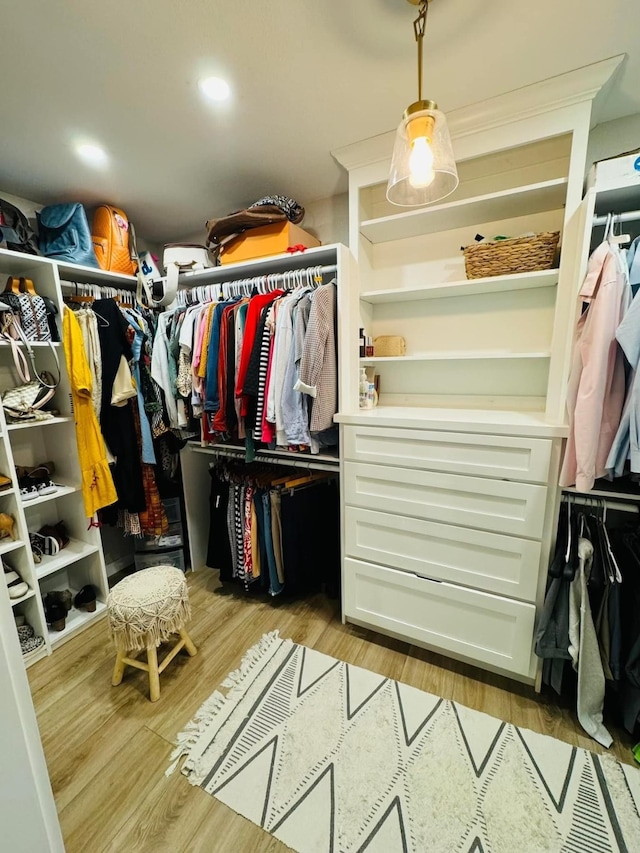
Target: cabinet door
{"points": [[506, 457], [488, 561], [481, 628], [513, 508]]}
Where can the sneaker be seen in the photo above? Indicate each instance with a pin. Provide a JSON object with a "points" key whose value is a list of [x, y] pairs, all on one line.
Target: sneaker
{"points": [[15, 585], [28, 493], [31, 645], [46, 487]]}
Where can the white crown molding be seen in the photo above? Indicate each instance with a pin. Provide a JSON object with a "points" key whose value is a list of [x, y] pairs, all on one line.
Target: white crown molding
{"points": [[565, 90]]}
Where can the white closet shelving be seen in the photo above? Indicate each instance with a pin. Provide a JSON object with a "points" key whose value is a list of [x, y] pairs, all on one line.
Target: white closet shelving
{"points": [[29, 444], [449, 486]]}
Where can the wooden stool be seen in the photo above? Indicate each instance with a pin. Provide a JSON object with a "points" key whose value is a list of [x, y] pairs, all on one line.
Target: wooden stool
{"points": [[146, 609]]}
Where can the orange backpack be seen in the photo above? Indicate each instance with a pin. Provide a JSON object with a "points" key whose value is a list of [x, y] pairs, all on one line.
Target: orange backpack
{"points": [[112, 243]]}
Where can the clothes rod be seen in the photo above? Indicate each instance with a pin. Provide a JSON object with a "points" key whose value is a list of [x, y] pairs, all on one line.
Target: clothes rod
{"points": [[274, 277], [627, 216], [614, 506], [307, 462]]}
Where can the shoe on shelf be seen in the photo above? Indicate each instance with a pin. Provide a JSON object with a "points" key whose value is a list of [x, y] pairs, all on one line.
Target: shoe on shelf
{"points": [[46, 487], [5, 482], [55, 613], [46, 544], [86, 598], [15, 585], [57, 532], [7, 526], [44, 469], [29, 642], [63, 597], [28, 493]]}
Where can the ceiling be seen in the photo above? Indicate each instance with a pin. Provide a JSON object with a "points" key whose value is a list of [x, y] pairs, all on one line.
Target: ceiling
{"points": [[307, 76]]}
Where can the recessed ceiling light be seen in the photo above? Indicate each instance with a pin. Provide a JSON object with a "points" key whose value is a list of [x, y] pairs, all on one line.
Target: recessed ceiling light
{"points": [[215, 88], [94, 155]]}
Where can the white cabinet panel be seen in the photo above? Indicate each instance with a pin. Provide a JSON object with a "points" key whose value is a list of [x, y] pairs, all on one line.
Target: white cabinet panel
{"points": [[500, 564], [513, 508], [506, 457], [475, 625]]}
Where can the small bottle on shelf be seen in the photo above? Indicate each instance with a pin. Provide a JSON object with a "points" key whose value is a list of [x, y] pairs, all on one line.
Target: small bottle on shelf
{"points": [[363, 388], [361, 343]]}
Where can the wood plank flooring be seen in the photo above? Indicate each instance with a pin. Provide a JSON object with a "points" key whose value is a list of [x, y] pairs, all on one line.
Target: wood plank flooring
{"points": [[107, 747]]}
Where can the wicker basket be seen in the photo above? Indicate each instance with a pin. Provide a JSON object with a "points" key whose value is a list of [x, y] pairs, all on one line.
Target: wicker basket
{"points": [[504, 257]]}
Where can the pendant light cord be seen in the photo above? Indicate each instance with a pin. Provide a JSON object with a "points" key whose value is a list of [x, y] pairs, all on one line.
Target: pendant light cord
{"points": [[419, 26]]}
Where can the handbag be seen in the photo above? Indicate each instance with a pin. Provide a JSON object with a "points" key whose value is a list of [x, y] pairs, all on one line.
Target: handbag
{"points": [[16, 234], [179, 258], [65, 234], [265, 211], [29, 308], [110, 234], [25, 402]]}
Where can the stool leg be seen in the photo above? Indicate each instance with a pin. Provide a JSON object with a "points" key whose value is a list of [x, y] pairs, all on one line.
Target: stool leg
{"points": [[154, 675], [118, 670], [188, 642]]}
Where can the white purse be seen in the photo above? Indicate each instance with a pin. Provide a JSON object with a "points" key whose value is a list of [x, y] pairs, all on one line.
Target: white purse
{"points": [[179, 258]]}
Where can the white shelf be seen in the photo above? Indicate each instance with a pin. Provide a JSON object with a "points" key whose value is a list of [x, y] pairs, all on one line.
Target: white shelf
{"points": [[46, 422], [19, 262], [62, 490], [9, 491], [76, 621], [92, 275], [25, 597], [33, 344], [7, 545], [467, 287], [455, 356], [495, 422], [507, 204], [74, 551]]}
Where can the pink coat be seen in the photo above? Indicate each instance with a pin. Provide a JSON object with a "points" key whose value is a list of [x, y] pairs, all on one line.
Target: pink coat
{"points": [[596, 390]]}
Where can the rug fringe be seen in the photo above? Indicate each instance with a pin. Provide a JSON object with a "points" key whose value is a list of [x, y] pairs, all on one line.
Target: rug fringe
{"points": [[237, 682]]}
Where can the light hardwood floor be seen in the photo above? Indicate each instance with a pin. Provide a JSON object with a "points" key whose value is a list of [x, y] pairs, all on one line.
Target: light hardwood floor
{"points": [[107, 747]]}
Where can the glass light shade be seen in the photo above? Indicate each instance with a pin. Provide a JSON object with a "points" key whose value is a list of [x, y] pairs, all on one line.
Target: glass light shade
{"points": [[423, 168]]}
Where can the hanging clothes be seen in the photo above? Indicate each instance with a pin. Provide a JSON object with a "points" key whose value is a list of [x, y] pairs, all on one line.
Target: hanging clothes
{"points": [[596, 388], [116, 422], [98, 490]]}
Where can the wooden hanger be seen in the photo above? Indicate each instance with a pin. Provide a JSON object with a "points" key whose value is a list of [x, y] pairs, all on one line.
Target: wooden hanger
{"points": [[26, 286], [78, 299], [12, 285]]}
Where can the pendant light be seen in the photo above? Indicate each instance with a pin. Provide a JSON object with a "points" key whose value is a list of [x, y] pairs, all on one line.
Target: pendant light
{"points": [[423, 168]]}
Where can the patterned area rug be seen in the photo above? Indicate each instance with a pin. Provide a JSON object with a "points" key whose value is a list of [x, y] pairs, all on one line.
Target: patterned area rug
{"points": [[329, 757]]}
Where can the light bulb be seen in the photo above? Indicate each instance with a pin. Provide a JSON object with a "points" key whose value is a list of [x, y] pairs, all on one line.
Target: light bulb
{"points": [[421, 172]]}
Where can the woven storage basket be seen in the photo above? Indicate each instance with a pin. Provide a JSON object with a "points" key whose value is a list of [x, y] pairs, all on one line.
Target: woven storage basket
{"points": [[520, 254]]}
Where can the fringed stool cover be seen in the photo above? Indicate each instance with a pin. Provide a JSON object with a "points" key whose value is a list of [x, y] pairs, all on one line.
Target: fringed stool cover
{"points": [[147, 607]]}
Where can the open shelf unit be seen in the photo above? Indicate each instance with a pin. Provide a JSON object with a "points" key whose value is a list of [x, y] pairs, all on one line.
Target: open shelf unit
{"points": [[33, 443], [466, 287], [504, 329], [506, 204]]}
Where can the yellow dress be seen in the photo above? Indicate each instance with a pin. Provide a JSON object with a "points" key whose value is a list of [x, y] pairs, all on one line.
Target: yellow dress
{"points": [[98, 490]]}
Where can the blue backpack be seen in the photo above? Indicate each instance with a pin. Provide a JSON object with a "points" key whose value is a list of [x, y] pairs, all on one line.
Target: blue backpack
{"points": [[64, 234]]}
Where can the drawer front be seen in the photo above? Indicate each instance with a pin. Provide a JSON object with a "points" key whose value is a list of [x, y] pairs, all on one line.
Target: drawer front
{"points": [[501, 564], [525, 459], [483, 628], [513, 508]]}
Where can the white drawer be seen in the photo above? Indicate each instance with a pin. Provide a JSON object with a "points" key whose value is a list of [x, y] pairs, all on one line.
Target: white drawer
{"points": [[513, 508], [509, 458], [488, 561], [479, 627]]}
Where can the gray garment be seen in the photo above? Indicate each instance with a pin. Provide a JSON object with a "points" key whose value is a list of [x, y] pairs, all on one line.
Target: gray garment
{"points": [[319, 365], [295, 417], [552, 633], [584, 650]]}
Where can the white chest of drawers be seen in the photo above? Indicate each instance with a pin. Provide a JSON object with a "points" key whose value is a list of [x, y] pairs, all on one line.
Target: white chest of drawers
{"points": [[446, 539]]}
